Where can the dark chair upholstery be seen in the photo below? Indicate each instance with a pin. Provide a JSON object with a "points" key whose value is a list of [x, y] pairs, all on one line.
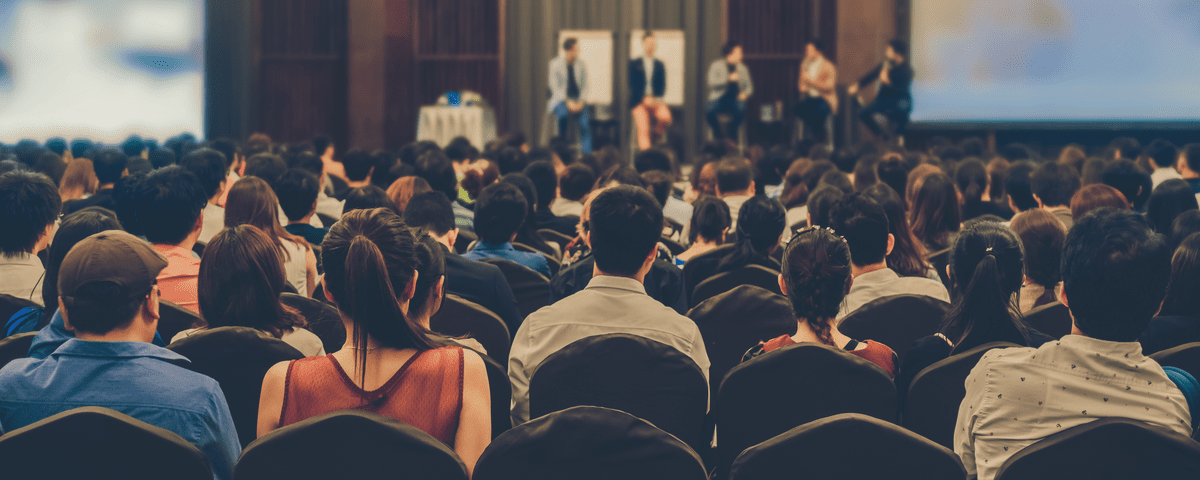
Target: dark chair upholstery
{"points": [[349, 444], [636, 375], [1109, 448], [14, 347], [939, 260], [464, 240], [95, 442], [198, 248], [1185, 357], [237, 358], [550, 235], [794, 385], [10, 305], [756, 275], [896, 321], [675, 226], [552, 262], [326, 220], [849, 445], [936, 392], [173, 319], [501, 391], [1052, 319], [531, 288], [459, 317], [676, 248], [323, 320], [588, 443]]}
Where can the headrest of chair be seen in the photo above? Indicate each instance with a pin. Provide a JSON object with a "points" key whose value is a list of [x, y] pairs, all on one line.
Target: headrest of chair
{"points": [[743, 298], [232, 343]]}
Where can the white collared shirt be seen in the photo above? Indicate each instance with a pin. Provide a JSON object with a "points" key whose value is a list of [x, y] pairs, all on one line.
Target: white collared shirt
{"points": [[214, 222], [885, 283], [21, 276]]}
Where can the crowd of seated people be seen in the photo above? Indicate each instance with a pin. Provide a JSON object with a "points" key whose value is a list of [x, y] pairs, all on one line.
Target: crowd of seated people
{"points": [[99, 241]]}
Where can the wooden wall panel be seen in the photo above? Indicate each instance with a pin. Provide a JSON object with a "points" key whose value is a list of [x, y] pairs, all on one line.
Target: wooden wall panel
{"points": [[400, 105]]}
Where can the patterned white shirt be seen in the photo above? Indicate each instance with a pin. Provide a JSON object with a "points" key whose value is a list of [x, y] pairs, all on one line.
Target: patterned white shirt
{"points": [[1017, 396]]}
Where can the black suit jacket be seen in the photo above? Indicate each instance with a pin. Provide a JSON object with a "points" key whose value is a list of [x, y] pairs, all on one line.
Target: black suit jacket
{"points": [[637, 81], [102, 198], [483, 284], [664, 283], [563, 225]]}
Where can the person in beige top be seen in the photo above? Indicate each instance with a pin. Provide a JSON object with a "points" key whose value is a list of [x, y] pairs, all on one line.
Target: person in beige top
{"points": [[818, 96]]}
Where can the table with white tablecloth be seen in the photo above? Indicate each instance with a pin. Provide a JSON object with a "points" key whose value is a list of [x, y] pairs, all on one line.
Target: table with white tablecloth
{"points": [[441, 124]]}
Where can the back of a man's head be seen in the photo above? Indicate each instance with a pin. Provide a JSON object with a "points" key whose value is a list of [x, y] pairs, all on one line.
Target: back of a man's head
{"points": [[109, 165], [227, 147], [576, 182], [209, 166], [625, 225], [297, 191], [438, 170], [266, 166], [864, 225], [1016, 186], [168, 203], [106, 279], [1115, 270], [499, 212], [734, 175], [1162, 153], [357, 164], [1129, 179], [1054, 183], [511, 160], [430, 211], [652, 159], [1191, 156], [29, 202], [133, 146], [659, 184], [545, 181]]}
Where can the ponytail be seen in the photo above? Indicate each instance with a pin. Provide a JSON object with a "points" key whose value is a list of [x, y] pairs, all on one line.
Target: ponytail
{"points": [[985, 311]]}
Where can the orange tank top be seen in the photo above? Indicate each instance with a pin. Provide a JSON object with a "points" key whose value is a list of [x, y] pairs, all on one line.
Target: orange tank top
{"points": [[426, 392]]}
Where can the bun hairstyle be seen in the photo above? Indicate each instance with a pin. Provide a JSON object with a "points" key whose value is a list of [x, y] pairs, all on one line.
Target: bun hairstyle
{"points": [[987, 268], [710, 218], [816, 271]]}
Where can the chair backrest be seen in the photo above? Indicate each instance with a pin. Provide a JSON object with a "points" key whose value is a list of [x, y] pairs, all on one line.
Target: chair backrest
{"points": [[1109, 448], [326, 220], [9, 305], [845, 446], [198, 248], [531, 288], [323, 319], [896, 321], [674, 247], [15, 346], [675, 226], [95, 442], [936, 392], [464, 240], [552, 262], [551, 235], [237, 358], [633, 374], [1052, 319], [588, 443], [794, 385], [939, 260], [173, 319], [756, 275], [349, 444], [459, 317], [501, 390], [1185, 357]]}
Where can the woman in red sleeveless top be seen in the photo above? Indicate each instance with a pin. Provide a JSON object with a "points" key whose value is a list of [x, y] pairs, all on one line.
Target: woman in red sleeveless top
{"points": [[389, 365]]}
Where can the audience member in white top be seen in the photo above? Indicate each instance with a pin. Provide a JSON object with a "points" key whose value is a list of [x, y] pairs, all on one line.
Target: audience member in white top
{"points": [[209, 166], [573, 188], [625, 227], [1162, 156], [710, 224], [252, 202], [1115, 271], [29, 206], [735, 184]]}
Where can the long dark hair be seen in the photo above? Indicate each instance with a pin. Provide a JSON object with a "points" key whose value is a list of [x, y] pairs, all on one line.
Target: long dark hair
{"points": [[431, 267], [710, 217], [252, 202], [241, 278], [369, 261], [987, 267], [74, 228], [936, 214], [1170, 199], [908, 255], [1185, 280], [760, 223], [816, 271]]}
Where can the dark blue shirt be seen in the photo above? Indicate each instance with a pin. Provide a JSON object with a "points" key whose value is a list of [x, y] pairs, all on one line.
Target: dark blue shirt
{"points": [[309, 233], [505, 251], [138, 379]]}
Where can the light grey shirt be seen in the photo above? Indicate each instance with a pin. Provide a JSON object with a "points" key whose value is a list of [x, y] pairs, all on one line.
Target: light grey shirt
{"points": [[214, 222], [718, 78], [563, 207], [608, 305], [558, 81], [885, 283], [21, 276]]}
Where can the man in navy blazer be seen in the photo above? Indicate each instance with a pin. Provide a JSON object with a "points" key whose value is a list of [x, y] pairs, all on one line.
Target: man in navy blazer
{"points": [[647, 84]]}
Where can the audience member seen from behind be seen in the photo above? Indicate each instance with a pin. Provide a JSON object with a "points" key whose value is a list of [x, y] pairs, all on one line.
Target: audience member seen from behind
{"points": [[1178, 322], [1042, 235], [500, 211], [735, 183], [1017, 189], [709, 223], [79, 180], [574, 186], [935, 213], [759, 227], [430, 290], [109, 166], [816, 276], [975, 185], [389, 364], [209, 167], [1115, 272], [1184, 226], [1161, 156], [241, 278], [297, 190], [368, 198], [109, 299], [1170, 199], [907, 257], [169, 210], [252, 202], [545, 180], [527, 234], [1053, 185], [1096, 195], [29, 205], [404, 188]]}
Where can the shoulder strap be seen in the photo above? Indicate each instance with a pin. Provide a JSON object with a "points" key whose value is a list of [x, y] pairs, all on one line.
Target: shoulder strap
{"points": [[1190, 388], [851, 345]]}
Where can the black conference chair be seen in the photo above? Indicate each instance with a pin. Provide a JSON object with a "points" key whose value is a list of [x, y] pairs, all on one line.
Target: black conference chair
{"points": [[794, 385], [554, 264], [675, 226], [501, 391], [936, 392], [674, 247], [939, 260], [1109, 448], [896, 321], [102, 443], [237, 358], [849, 445], [554, 236], [459, 317], [173, 319], [323, 319], [10, 305], [326, 220], [14, 347], [636, 375], [1052, 319], [756, 275], [198, 248], [1185, 357], [531, 288], [588, 443], [464, 240], [349, 444]]}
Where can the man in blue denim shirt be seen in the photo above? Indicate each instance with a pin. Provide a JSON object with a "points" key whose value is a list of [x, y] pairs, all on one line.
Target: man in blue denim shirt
{"points": [[109, 299], [499, 212]]}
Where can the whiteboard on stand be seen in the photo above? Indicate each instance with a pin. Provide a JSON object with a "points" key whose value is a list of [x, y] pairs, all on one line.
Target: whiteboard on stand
{"points": [[596, 51], [670, 50]]}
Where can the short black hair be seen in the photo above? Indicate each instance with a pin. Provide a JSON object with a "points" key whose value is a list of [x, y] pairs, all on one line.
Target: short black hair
{"points": [[625, 223], [545, 181], [81, 148], [430, 211], [1054, 183], [1129, 179], [1016, 186], [106, 308], [511, 160], [901, 48], [821, 202], [1115, 270], [734, 175], [266, 166], [29, 202], [728, 47], [308, 161], [500, 211], [438, 170], [576, 182], [165, 157], [368, 197], [384, 161], [168, 203], [139, 165], [569, 43], [227, 147], [817, 44], [1191, 155], [58, 145], [864, 225], [659, 185], [460, 151], [652, 159], [710, 217], [208, 165], [109, 165], [125, 201], [297, 190], [321, 143], [1162, 152], [1129, 147], [50, 165], [357, 164], [133, 146]]}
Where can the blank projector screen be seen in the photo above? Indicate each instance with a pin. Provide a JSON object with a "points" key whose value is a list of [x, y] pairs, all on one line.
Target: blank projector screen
{"points": [[1055, 61], [101, 69]]}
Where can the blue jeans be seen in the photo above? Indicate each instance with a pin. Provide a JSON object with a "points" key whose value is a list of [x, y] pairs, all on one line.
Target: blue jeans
{"points": [[814, 111], [585, 126], [735, 108]]}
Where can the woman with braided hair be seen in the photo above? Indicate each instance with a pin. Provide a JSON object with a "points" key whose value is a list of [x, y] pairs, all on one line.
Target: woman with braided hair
{"points": [[816, 277]]}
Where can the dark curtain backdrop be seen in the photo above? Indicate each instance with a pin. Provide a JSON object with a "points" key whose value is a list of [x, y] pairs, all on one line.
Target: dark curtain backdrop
{"points": [[227, 78]]}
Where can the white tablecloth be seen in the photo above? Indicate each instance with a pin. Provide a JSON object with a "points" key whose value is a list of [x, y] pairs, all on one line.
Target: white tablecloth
{"points": [[441, 124]]}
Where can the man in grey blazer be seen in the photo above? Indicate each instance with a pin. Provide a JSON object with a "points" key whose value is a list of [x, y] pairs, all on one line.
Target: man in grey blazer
{"points": [[568, 88], [729, 86]]}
